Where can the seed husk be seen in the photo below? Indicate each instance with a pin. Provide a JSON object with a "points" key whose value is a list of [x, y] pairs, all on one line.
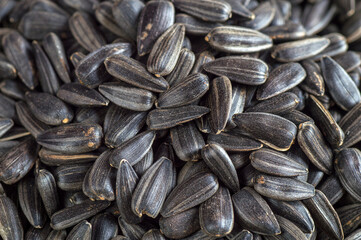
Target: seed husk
{"points": [[79, 95], [206, 10], [49, 109], [98, 182], [158, 119], [134, 73], [70, 216], [58, 57], [233, 39], [30, 202], [128, 97], [155, 18], [13, 89], [350, 125], [276, 163], [219, 162], [90, 71], [202, 58], [244, 70], [195, 26], [188, 90], [131, 231], [151, 191], [299, 50], [289, 31], [19, 52], [121, 124], [176, 226], [81, 231], [10, 225], [7, 70], [341, 87], [350, 217], [346, 166], [48, 79], [216, 216], [126, 14], [104, 226], [264, 14], [126, 181], [46, 185], [183, 197], [254, 213], [296, 117], [325, 215], [142, 166], [85, 32], [70, 177], [315, 147], [338, 45], [282, 188], [134, 149], [220, 103], [53, 158], [165, 51], [280, 104], [72, 138], [349, 60], [5, 125], [332, 188], [187, 141], [314, 176], [190, 169], [295, 211], [182, 68], [281, 79], [288, 230], [18, 161], [329, 127], [313, 82], [231, 141], [266, 128]]}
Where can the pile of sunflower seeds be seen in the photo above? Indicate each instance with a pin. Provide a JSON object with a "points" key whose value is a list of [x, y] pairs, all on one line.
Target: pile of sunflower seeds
{"points": [[182, 119]]}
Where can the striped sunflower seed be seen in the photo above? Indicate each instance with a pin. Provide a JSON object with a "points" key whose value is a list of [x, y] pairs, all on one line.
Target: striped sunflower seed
{"points": [[10, 224]]}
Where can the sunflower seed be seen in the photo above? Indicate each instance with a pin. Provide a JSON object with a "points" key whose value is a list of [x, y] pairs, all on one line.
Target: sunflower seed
{"points": [[52, 158], [151, 191], [91, 70], [244, 70], [126, 14], [165, 52], [288, 230], [216, 214], [155, 18], [234, 142], [18, 161], [332, 188], [46, 185], [350, 217], [176, 226], [104, 226], [134, 149], [233, 39], [70, 177], [19, 53], [134, 73], [72, 138], [284, 189], [325, 215], [254, 213], [350, 125], [202, 58], [184, 92], [85, 32], [70, 216], [183, 197], [206, 10], [10, 225], [288, 31], [264, 14], [281, 79], [182, 68], [313, 82], [166, 118]]}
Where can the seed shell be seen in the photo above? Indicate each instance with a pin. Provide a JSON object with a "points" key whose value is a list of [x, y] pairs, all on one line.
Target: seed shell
{"points": [[254, 213], [233, 39], [10, 225], [71, 177], [216, 215], [46, 185], [165, 51], [325, 215], [182, 68], [183, 197], [158, 119], [134, 149]]}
